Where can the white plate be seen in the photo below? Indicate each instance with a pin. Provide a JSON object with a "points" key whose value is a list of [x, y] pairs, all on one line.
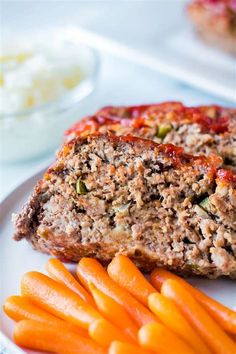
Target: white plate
{"points": [[18, 258]]}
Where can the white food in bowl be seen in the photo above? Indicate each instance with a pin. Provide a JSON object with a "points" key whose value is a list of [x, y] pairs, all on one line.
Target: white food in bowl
{"points": [[43, 87], [32, 79]]}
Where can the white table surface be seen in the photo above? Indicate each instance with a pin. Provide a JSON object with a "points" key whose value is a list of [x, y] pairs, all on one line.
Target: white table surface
{"points": [[121, 82]]}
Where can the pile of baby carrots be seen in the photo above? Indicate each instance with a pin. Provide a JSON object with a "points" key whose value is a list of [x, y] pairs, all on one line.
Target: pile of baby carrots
{"points": [[117, 311]]}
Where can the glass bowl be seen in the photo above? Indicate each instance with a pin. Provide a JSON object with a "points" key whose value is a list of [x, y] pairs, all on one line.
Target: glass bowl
{"points": [[36, 131]]}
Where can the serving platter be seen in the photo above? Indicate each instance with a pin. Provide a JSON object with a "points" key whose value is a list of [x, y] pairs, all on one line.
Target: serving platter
{"points": [[179, 54], [18, 258]]}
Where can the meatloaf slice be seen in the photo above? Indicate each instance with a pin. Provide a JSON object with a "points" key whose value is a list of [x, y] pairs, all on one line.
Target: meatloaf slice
{"points": [[199, 130], [215, 22], [107, 195]]}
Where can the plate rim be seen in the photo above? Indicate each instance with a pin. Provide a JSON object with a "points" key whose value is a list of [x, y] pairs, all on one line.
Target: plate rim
{"points": [[7, 346]]}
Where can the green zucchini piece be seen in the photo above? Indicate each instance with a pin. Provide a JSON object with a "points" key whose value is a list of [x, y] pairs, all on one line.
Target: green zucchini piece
{"points": [[205, 204], [81, 187], [163, 130]]}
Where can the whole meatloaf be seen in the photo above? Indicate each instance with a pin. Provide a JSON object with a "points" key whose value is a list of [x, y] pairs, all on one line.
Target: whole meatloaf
{"points": [[215, 22], [200, 130], [107, 195]]}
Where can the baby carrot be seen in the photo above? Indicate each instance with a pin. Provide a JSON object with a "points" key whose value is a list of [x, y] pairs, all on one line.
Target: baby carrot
{"points": [[170, 315], [217, 340], [103, 332], [44, 337], [157, 337], [125, 273], [114, 312], [60, 273], [117, 347], [224, 316], [57, 299], [90, 270], [159, 275], [20, 308]]}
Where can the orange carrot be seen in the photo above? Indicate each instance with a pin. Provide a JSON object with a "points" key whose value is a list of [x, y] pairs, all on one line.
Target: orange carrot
{"points": [[44, 337], [20, 308], [114, 312], [90, 270], [204, 324], [157, 337], [57, 299], [60, 273], [103, 332], [117, 347], [222, 314], [125, 273], [159, 275], [170, 315]]}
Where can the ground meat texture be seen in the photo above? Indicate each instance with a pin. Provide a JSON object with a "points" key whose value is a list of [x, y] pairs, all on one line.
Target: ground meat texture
{"points": [[199, 130], [153, 203], [215, 22]]}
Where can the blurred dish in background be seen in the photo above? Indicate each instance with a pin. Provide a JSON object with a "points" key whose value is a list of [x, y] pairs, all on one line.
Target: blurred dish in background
{"points": [[215, 22], [42, 87]]}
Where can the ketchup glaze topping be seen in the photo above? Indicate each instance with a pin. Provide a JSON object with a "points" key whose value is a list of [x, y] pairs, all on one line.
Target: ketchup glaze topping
{"points": [[138, 116]]}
